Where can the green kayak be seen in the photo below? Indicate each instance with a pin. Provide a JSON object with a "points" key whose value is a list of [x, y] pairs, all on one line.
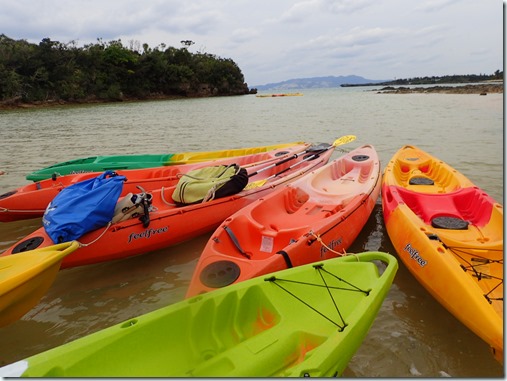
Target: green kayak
{"points": [[303, 321], [117, 162]]}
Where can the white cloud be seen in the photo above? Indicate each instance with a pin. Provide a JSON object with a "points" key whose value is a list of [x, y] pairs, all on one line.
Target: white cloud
{"points": [[272, 41], [300, 11], [347, 6], [436, 5], [244, 34]]}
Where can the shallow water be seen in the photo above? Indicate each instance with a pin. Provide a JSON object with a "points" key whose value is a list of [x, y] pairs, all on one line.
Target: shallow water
{"points": [[413, 336]]}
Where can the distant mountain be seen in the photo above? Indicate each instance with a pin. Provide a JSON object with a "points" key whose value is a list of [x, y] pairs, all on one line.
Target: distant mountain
{"points": [[317, 82]]}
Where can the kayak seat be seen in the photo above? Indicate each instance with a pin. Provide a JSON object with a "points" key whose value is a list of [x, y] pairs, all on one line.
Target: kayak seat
{"points": [[272, 350], [366, 172], [225, 335], [283, 205], [412, 171], [294, 199], [344, 180], [217, 327], [467, 204], [259, 239], [273, 239], [419, 180], [445, 222], [405, 167]]}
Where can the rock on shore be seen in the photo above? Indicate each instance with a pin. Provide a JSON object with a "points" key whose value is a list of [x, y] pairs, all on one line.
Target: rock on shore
{"points": [[481, 89]]}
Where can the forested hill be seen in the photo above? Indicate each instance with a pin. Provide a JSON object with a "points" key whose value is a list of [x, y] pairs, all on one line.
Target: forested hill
{"points": [[446, 79], [317, 82], [354, 80], [52, 71]]}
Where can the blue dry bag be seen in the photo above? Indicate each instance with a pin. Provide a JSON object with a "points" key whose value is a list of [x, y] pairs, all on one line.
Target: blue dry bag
{"points": [[83, 207]]}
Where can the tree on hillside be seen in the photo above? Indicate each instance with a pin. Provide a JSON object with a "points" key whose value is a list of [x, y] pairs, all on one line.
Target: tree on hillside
{"points": [[187, 43], [52, 71]]}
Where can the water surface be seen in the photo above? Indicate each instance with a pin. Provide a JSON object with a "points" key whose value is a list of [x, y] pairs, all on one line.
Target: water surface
{"points": [[413, 336]]}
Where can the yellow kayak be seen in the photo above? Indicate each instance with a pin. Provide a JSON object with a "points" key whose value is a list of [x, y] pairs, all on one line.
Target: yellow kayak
{"points": [[449, 234], [25, 278], [279, 95], [130, 161]]}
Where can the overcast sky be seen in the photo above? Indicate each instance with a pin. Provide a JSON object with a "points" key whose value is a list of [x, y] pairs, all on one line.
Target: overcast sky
{"points": [[275, 40]]}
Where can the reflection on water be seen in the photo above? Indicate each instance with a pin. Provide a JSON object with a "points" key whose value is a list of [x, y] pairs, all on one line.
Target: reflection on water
{"points": [[413, 336]]}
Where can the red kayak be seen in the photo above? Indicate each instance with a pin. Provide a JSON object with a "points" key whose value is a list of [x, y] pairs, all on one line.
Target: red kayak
{"points": [[314, 218], [169, 224], [31, 200]]}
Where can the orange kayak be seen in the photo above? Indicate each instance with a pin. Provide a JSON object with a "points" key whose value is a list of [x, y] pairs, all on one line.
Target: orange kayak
{"points": [[170, 224], [31, 200], [449, 234], [314, 218]]}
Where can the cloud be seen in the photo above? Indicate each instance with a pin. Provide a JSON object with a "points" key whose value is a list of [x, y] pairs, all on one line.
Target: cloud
{"points": [[244, 34], [346, 6], [436, 5], [271, 40], [304, 10], [300, 11]]}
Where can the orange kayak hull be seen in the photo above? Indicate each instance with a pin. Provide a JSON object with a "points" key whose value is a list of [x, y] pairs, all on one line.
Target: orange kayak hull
{"points": [[31, 200], [314, 218], [170, 224], [449, 234]]}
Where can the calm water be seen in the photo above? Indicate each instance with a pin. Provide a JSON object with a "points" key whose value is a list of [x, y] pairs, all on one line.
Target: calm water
{"points": [[413, 336]]}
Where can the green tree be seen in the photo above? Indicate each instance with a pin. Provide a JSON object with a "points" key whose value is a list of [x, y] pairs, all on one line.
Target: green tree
{"points": [[51, 71]]}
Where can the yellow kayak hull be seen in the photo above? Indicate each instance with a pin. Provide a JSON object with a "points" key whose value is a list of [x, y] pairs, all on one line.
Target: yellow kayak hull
{"points": [[449, 234], [25, 278]]}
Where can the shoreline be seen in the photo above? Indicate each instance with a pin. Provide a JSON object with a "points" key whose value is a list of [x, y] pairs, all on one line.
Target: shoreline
{"points": [[480, 89], [18, 105]]}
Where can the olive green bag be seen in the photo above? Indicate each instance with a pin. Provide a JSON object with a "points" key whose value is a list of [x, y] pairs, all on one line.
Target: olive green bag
{"points": [[205, 184]]}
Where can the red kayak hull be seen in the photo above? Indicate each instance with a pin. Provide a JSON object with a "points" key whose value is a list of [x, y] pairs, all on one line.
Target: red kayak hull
{"points": [[31, 200], [171, 224]]}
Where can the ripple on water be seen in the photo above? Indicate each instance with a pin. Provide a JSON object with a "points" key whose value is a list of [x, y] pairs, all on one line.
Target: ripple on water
{"points": [[412, 335]]}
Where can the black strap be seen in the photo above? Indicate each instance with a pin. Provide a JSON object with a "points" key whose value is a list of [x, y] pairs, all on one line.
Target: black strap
{"points": [[235, 241], [286, 257], [145, 218]]}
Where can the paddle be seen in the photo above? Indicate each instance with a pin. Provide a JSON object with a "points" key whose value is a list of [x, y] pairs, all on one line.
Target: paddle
{"points": [[320, 148], [340, 141]]}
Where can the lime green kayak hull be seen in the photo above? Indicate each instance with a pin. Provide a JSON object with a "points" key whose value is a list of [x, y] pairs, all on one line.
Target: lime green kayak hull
{"points": [[120, 162], [304, 321]]}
